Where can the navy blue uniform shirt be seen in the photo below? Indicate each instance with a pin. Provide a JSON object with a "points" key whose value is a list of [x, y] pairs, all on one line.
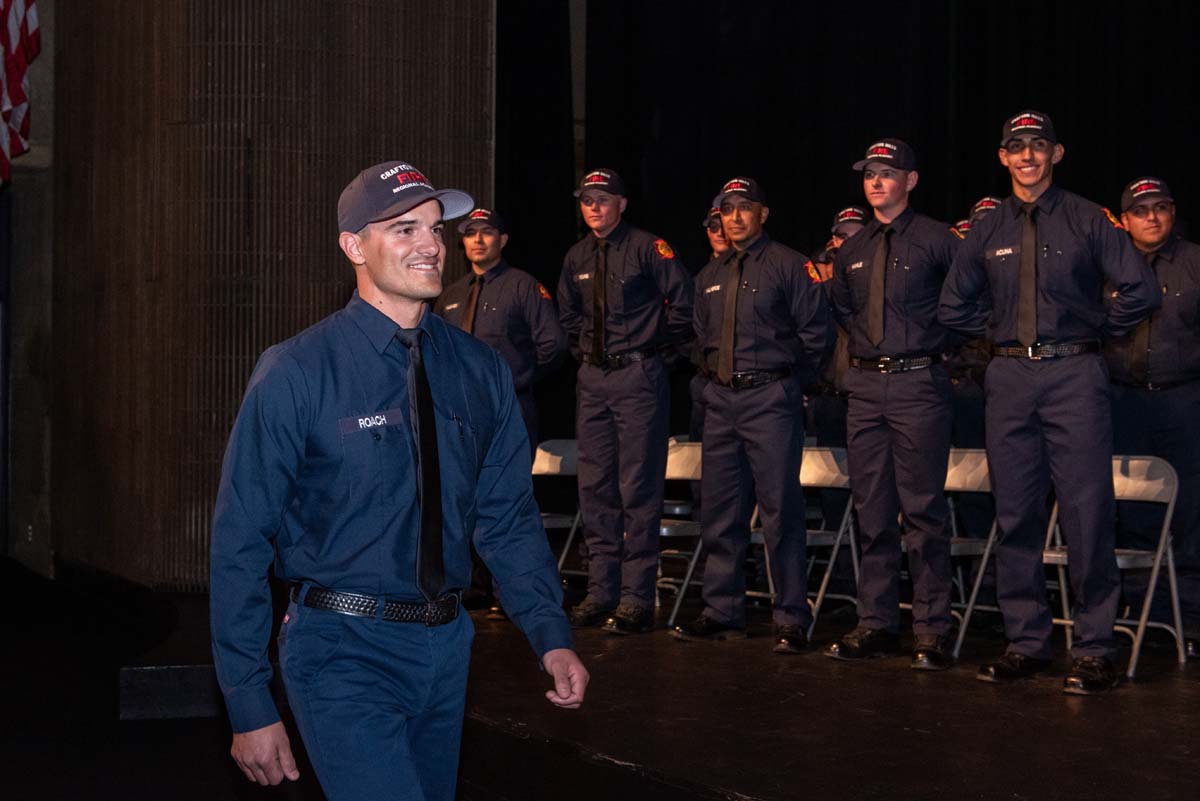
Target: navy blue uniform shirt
{"points": [[1174, 354], [649, 293], [319, 477], [1080, 247], [783, 317], [922, 250], [515, 315]]}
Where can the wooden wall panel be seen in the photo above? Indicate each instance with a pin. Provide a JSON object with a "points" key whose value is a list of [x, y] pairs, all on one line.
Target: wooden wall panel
{"points": [[201, 149]]}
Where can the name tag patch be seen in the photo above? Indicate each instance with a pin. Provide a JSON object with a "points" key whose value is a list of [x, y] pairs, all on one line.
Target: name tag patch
{"points": [[712, 289], [452, 306], [584, 276], [856, 266], [391, 417], [1003, 252]]}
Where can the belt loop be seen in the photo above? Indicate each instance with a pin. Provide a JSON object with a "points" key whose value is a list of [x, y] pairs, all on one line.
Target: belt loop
{"points": [[305, 586], [380, 608]]}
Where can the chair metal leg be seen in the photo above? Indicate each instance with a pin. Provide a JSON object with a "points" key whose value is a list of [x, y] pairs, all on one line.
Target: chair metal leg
{"points": [[1066, 605], [833, 554], [687, 580], [562, 557], [1173, 581], [966, 616]]}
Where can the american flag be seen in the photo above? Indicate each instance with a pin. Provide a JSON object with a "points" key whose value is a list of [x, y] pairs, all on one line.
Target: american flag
{"points": [[20, 42]]}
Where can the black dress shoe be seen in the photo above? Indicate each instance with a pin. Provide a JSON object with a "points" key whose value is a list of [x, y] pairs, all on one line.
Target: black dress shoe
{"points": [[1011, 667], [705, 628], [790, 640], [1191, 648], [932, 652], [1091, 675], [630, 619], [865, 643], [497, 612], [588, 613]]}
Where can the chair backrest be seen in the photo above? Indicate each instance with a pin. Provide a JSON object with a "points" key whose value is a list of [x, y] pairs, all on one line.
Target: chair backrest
{"points": [[1144, 478], [825, 468], [967, 471], [683, 460], [556, 457]]}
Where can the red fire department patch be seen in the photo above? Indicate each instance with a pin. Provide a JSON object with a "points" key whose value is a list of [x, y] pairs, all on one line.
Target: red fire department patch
{"points": [[1115, 222], [813, 272], [545, 293], [664, 249]]}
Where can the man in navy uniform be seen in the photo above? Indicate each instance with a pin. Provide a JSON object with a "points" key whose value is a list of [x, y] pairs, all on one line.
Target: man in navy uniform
{"points": [[506, 308], [367, 451], [886, 283], [1030, 277], [624, 299], [1156, 397], [763, 329]]}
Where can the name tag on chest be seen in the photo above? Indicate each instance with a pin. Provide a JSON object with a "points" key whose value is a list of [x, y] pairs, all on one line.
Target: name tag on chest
{"points": [[391, 417]]}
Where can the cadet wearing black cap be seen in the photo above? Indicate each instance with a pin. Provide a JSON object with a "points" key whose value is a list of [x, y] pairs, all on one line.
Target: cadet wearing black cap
{"points": [[623, 298], [506, 308], [763, 329], [885, 289], [1156, 400], [1031, 277]]}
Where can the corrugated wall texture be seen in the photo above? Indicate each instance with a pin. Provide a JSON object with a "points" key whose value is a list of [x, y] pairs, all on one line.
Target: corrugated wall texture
{"points": [[201, 150]]}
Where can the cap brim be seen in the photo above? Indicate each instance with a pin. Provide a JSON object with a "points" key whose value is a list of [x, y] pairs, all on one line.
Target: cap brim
{"points": [[1145, 196], [609, 190], [454, 203], [861, 165]]}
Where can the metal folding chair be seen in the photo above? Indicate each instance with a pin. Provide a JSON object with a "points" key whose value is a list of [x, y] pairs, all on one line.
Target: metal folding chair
{"points": [[557, 457], [1135, 478], [683, 464]]}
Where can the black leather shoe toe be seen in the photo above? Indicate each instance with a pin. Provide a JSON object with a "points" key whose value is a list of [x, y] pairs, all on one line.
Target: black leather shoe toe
{"points": [[864, 643], [588, 613], [630, 619], [705, 628], [790, 640], [932, 652], [1091, 675], [1012, 667]]}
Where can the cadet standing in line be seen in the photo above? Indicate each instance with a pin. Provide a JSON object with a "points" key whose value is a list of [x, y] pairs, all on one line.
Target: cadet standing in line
{"points": [[886, 283], [1156, 397], [623, 299], [1031, 277], [763, 328]]}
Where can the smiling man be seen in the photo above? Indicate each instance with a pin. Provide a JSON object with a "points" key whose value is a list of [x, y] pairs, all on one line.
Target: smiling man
{"points": [[886, 282], [1156, 396], [1030, 277], [368, 450], [623, 298]]}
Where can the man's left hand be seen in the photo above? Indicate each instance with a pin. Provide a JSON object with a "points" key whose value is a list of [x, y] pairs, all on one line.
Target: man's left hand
{"points": [[570, 678]]}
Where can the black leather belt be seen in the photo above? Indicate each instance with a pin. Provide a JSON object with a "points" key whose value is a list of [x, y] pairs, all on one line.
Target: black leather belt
{"points": [[753, 378], [1050, 351], [432, 613], [618, 360], [890, 364], [1152, 386]]}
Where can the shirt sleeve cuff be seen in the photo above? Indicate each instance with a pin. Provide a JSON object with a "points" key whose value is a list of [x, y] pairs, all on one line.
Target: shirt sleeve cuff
{"points": [[550, 635], [251, 708]]}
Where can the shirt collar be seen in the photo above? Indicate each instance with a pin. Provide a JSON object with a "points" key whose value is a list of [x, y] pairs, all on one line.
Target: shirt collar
{"points": [[380, 329], [616, 236], [1046, 202], [902, 221], [751, 252], [1166, 250], [492, 274]]}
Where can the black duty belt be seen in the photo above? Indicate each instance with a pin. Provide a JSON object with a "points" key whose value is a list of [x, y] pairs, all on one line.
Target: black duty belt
{"points": [[892, 364], [1046, 351], [1153, 386], [753, 378], [618, 360], [432, 613]]}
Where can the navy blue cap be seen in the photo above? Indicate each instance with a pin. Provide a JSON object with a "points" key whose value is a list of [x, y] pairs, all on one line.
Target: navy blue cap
{"points": [[848, 215], [1142, 188], [485, 216], [1030, 122], [604, 180], [390, 189], [983, 207], [890, 152], [742, 187]]}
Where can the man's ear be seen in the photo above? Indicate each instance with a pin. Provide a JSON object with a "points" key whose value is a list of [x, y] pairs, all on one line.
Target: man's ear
{"points": [[351, 245]]}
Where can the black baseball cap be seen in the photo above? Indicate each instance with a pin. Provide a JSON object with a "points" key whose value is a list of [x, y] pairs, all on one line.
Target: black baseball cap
{"points": [[485, 216], [390, 189], [962, 226], [713, 213], [603, 179], [1143, 188], [892, 152], [742, 187], [1029, 121], [983, 207], [849, 215]]}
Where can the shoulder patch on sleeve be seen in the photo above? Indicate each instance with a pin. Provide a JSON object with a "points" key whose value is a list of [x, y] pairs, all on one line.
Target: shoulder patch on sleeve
{"points": [[545, 293], [664, 249], [1115, 222], [954, 230], [813, 273]]}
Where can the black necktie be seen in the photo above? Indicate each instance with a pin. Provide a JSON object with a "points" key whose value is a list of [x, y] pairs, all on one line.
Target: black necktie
{"points": [[1027, 333], [1139, 364], [729, 321], [875, 300], [599, 300], [467, 323], [431, 572]]}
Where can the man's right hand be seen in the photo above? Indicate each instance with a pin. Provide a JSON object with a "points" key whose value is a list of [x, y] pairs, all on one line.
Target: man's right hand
{"points": [[265, 755]]}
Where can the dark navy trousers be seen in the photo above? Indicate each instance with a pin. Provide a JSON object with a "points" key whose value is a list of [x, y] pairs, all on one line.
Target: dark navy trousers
{"points": [[379, 704], [621, 427], [1163, 423], [1049, 421], [898, 444], [753, 445]]}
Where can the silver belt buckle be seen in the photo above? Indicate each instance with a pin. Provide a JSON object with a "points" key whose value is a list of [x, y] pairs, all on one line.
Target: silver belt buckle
{"points": [[884, 364], [1031, 350]]}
